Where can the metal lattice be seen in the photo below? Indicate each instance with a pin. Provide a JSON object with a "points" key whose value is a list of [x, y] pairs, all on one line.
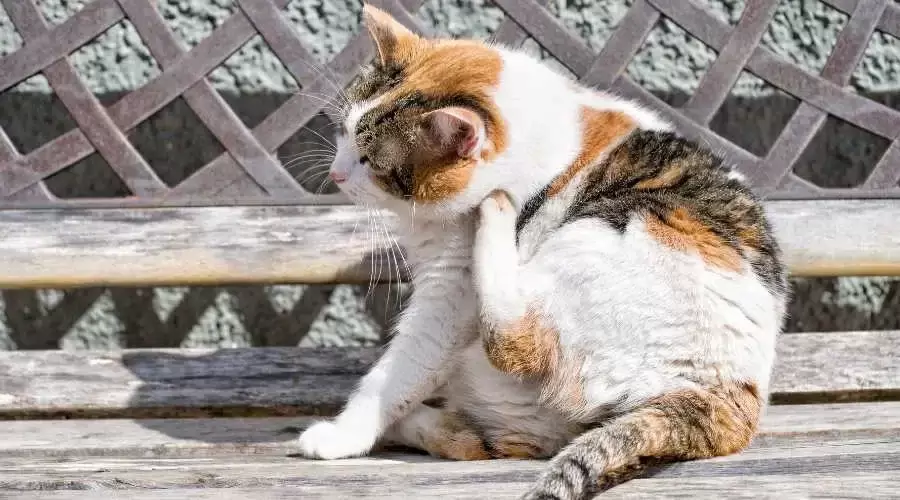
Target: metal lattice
{"points": [[248, 171]]}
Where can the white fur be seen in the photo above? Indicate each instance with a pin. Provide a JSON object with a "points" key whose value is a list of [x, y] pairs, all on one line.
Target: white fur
{"points": [[642, 316]]}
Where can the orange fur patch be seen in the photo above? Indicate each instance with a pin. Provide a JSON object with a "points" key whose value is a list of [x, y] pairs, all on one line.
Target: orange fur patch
{"points": [[526, 348], [519, 446], [454, 440], [600, 130], [435, 183], [530, 348], [666, 178], [682, 232], [715, 422], [452, 68]]}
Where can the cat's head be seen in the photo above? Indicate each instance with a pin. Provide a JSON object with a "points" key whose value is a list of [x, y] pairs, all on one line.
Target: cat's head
{"points": [[422, 123]]}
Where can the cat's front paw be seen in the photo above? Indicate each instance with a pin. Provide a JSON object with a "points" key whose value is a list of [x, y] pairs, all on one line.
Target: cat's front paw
{"points": [[497, 208], [330, 440]]}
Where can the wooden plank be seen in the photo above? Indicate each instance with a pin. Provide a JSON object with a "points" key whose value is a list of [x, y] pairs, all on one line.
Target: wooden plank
{"points": [[776, 487], [804, 427], [178, 382], [317, 244], [823, 441], [818, 367], [143, 383], [838, 237], [211, 245]]}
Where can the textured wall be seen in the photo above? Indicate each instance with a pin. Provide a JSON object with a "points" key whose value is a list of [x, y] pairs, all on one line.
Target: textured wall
{"points": [[254, 82]]}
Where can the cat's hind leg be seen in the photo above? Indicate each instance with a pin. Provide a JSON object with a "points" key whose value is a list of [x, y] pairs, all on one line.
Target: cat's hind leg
{"points": [[440, 432]]}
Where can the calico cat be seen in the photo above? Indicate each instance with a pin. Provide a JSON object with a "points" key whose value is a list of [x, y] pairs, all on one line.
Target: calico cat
{"points": [[588, 285]]}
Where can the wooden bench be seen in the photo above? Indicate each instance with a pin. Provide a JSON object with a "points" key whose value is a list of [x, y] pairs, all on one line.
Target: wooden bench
{"points": [[145, 420], [203, 423]]}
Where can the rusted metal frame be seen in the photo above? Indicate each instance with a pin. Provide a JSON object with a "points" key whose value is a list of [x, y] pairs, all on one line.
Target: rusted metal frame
{"points": [[807, 120], [886, 174], [41, 51], [131, 109], [720, 77], [814, 91], [209, 106], [623, 44], [890, 19], [8, 153], [572, 52], [86, 110]]}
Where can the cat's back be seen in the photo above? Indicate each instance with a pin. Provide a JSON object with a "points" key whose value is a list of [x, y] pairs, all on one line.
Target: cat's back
{"points": [[662, 258], [683, 196]]}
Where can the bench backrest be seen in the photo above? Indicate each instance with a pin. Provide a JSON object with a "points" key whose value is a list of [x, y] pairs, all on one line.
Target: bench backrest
{"points": [[242, 218]]}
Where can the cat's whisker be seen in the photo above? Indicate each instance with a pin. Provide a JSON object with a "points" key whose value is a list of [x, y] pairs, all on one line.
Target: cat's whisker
{"points": [[396, 250], [388, 263], [328, 142], [313, 171], [395, 244], [300, 160], [301, 154], [328, 149], [326, 103], [306, 156], [313, 152], [322, 186], [320, 70], [338, 100], [376, 264], [379, 222], [316, 176]]}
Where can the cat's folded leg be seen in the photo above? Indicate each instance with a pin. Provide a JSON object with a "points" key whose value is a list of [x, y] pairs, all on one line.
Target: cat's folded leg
{"points": [[496, 262], [514, 334], [440, 432], [436, 325]]}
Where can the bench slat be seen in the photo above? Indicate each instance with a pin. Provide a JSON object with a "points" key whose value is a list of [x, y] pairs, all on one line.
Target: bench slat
{"points": [[832, 444], [776, 487], [810, 367], [308, 244], [808, 429]]}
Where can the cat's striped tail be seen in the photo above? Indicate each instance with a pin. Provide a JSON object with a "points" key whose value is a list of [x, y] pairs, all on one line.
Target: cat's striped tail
{"points": [[684, 425]]}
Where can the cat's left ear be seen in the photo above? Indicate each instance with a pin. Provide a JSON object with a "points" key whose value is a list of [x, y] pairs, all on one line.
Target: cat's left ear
{"points": [[457, 129], [393, 41]]}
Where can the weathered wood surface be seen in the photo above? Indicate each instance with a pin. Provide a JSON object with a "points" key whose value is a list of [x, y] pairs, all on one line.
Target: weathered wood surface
{"points": [[775, 487], [308, 244], [806, 428], [810, 367], [833, 444]]}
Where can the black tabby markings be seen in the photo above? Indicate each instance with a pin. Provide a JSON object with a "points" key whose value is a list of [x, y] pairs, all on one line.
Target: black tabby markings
{"points": [[655, 173], [530, 209]]}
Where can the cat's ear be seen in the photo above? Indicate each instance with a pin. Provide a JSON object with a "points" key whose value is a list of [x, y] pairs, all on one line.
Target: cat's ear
{"points": [[458, 130], [392, 40]]}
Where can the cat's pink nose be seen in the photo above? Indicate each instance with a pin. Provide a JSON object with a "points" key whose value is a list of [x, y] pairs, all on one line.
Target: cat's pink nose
{"points": [[337, 177]]}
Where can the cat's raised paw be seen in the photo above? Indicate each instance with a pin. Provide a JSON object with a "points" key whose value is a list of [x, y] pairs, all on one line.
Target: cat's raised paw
{"points": [[497, 207], [329, 440], [502, 201]]}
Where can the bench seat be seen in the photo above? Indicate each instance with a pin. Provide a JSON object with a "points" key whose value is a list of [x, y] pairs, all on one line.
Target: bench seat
{"points": [[104, 425]]}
